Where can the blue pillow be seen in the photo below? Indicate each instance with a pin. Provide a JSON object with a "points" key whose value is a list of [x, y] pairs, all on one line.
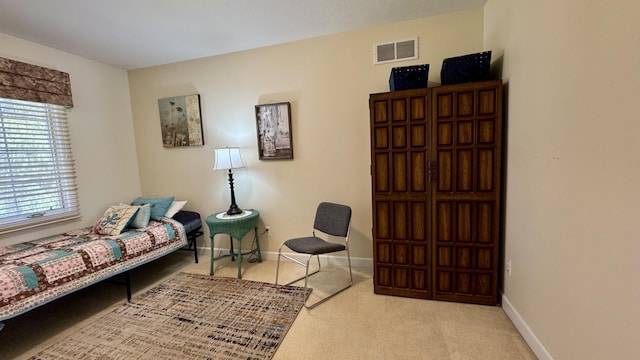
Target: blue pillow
{"points": [[159, 206], [141, 219]]}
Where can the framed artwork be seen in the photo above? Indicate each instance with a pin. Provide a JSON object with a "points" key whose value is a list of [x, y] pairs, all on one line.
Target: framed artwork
{"points": [[274, 131], [181, 121]]}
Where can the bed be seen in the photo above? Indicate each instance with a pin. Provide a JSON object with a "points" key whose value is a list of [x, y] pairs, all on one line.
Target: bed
{"points": [[36, 272]]}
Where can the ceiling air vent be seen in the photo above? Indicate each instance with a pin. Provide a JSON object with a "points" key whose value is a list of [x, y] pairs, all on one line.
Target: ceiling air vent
{"points": [[395, 51]]}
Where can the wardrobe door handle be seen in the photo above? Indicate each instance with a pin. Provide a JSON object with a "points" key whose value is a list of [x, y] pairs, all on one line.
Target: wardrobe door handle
{"points": [[432, 168]]}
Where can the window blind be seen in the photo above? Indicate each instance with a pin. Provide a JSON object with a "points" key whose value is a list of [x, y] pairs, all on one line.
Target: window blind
{"points": [[37, 169]]}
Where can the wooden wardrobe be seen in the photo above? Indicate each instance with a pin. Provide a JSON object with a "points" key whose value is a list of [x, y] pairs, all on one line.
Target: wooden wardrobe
{"points": [[435, 174]]}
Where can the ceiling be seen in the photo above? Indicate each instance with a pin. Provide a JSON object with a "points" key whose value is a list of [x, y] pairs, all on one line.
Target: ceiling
{"points": [[132, 34]]}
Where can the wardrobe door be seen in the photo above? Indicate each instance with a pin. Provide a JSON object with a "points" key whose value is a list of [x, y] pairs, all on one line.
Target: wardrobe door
{"points": [[466, 155], [400, 202]]}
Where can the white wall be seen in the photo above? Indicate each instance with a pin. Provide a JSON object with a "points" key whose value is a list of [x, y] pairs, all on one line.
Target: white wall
{"points": [[573, 79], [328, 81], [101, 133]]}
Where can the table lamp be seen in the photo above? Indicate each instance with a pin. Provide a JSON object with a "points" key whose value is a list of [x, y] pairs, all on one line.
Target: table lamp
{"points": [[229, 158]]}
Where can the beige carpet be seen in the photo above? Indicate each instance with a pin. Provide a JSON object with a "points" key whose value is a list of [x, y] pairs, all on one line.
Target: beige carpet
{"points": [[355, 325], [189, 317]]}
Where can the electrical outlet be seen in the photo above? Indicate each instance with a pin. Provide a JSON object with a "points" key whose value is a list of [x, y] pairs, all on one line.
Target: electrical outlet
{"points": [[267, 230], [507, 267]]}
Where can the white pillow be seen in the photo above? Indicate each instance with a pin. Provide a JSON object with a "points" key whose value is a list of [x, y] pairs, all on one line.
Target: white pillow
{"points": [[174, 208]]}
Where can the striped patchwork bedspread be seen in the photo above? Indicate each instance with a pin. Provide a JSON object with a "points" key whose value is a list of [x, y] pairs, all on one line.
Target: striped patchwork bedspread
{"points": [[36, 272]]}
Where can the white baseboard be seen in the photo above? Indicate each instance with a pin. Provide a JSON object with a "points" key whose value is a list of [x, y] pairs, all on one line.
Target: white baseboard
{"points": [[528, 335]]}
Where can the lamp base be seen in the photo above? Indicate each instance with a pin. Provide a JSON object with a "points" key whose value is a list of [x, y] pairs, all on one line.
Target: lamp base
{"points": [[234, 210]]}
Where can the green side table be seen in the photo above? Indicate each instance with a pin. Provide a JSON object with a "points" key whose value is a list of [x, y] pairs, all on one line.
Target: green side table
{"points": [[236, 226]]}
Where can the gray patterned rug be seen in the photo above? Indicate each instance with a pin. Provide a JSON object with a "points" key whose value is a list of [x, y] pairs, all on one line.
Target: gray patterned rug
{"points": [[189, 317]]}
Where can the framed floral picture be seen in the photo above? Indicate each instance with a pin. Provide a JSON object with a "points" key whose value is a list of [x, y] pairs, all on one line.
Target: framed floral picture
{"points": [[274, 131], [181, 121]]}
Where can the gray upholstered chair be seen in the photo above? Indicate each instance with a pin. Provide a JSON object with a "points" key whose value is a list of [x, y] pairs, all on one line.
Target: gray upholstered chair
{"points": [[333, 220]]}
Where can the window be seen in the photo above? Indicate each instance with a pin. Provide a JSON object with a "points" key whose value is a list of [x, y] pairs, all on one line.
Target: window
{"points": [[37, 170]]}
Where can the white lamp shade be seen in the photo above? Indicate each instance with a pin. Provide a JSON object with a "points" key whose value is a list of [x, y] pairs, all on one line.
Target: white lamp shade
{"points": [[228, 158]]}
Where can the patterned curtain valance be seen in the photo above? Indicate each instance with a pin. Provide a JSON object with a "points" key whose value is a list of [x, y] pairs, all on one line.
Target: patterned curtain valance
{"points": [[22, 81]]}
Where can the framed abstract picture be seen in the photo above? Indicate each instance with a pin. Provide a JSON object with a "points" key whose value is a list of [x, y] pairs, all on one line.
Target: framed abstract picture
{"points": [[274, 131], [181, 121]]}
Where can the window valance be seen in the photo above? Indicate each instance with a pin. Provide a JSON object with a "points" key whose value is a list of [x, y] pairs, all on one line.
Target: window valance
{"points": [[22, 81]]}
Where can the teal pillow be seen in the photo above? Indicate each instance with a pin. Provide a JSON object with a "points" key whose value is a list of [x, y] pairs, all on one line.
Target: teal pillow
{"points": [[141, 220], [159, 206]]}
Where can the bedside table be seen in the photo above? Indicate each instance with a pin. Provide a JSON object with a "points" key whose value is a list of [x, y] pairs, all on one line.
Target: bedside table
{"points": [[236, 226]]}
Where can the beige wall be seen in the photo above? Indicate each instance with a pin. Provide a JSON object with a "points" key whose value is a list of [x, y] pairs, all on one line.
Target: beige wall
{"points": [[328, 81], [101, 133], [571, 81], [571, 69]]}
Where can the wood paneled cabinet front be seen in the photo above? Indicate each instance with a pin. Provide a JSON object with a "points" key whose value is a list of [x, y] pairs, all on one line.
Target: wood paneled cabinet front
{"points": [[435, 174]]}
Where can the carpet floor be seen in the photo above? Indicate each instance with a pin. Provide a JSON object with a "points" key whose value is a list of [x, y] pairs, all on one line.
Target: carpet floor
{"points": [[189, 316], [357, 324]]}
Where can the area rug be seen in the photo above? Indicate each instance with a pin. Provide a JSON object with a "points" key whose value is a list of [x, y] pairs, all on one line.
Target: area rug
{"points": [[189, 317]]}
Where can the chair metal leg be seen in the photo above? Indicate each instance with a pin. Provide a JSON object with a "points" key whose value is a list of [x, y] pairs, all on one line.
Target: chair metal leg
{"points": [[280, 254], [311, 306], [307, 275], [299, 263], [304, 294], [277, 268]]}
